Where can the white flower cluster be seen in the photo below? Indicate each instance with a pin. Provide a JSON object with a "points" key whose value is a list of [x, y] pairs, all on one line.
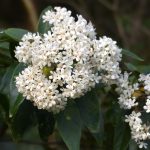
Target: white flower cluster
{"points": [[139, 131], [130, 95], [126, 100], [65, 62], [146, 82]]}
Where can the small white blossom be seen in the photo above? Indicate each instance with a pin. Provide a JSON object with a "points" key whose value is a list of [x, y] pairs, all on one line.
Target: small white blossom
{"points": [[139, 131], [147, 106], [126, 100], [146, 81], [142, 145], [129, 93]]}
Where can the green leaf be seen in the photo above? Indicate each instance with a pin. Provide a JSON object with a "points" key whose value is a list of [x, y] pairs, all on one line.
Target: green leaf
{"points": [[144, 69], [12, 47], [3, 37], [99, 135], [15, 98], [15, 33], [122, 136], [69, 126], [4, 45], [4, 106], [133, 145], [23, 119], [2, 73], [4, 86], [131, 67], [89, 108], [5, 60], [131, 54], [8, 87], [46, 123], [4, 49], [44, 27]]}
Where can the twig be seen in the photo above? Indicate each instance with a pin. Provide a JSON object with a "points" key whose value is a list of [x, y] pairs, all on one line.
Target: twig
{"points": [[31, 13], [107, 5], [146, 31]]}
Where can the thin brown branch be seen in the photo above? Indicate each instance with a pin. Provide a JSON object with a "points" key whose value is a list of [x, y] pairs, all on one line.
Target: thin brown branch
{"points": [[146, 31], [107, 5], [121, 31], [31, 13], [137, 21], [120, 27]]}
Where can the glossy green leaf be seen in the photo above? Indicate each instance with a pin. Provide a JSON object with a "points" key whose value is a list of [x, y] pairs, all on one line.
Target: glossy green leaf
{"points": [[43, 27], [144, 69], [15, 98], [131, 67], [133, 145], [23, 119], [4, 49], [89, 108], [99, 134], [131, 54], [4, 45], [8, 87], [5, 57], [4, 106], [3, 37], [69, 126], [2, 73], [4, 86], [15, 33], [121, 136], [5, 60], [46, 123]]}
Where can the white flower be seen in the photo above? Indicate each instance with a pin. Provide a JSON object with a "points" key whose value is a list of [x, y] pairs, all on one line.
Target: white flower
{"points": [[126, 90], [147, 106], [129, 94], [142, 145], [139, 131], [145, 79], [107, 57]]}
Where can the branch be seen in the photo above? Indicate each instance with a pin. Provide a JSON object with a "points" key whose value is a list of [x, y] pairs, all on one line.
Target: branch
{"points": [[31, 13], [107, 5]]}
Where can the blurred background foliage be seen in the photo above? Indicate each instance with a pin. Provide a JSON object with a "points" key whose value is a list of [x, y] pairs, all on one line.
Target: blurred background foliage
{"points": [[126, 21]]}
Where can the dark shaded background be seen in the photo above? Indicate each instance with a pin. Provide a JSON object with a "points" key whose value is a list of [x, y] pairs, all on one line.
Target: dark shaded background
{"points": [[126, 21]]}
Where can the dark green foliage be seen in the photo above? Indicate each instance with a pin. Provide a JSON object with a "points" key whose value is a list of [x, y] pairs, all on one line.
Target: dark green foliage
{"points": [[69, 125], [46, 123], [89, 108], [23, 119], [15, 34], [131, 55]]}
